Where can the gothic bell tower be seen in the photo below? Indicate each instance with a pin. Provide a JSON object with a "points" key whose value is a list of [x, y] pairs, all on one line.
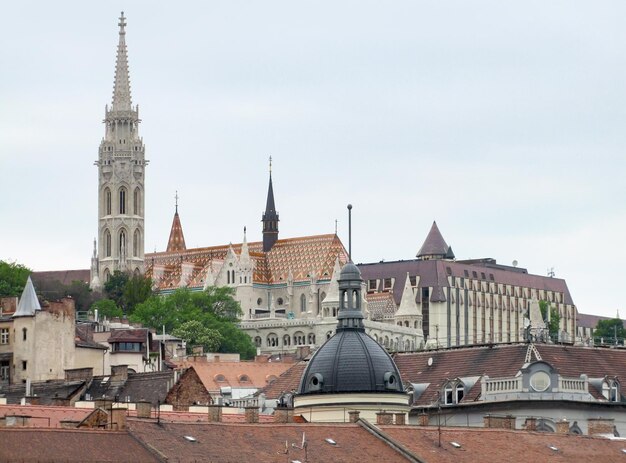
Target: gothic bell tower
{"points": [[121, 168]]}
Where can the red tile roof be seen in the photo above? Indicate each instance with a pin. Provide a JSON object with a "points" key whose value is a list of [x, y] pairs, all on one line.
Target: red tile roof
{"points": [[497, 445], [288, 381], [70, 446], [219, 442], [252, 375]]}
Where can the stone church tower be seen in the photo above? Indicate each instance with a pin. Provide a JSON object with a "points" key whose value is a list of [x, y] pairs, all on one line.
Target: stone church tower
{"points": [[121, 168]]}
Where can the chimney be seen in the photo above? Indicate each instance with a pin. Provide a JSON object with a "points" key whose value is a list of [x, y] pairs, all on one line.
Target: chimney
{"points": [[252, 414], [562, 426], [118, 418], [531, 424], [600, 426], [119, 373], [422, 419], [32, 400], [499, 422], [354, 416], [400, 419], [384, 417], [215, 413], [78, 374], [144, 409], [283, 414]]}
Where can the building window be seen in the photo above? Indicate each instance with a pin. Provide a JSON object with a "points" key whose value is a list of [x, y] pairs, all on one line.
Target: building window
{"points": [[127, 347], [24, 333], [107, 201], [5, 369], [4, 336], [540, 381], [136, 243], [122, 200], [257, 341], [302, 303], [453, 392], [107, 243], [122, 250], [387, 284], [372, 285], [279, 301], [24, 364], [136, 199], [610, 390]]}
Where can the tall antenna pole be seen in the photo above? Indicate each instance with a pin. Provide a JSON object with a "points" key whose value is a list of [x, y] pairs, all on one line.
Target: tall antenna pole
{"points": [[350, 232]]}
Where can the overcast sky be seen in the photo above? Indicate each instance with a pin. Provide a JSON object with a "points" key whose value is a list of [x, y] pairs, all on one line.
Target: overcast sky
{"points": [[503, 121]]}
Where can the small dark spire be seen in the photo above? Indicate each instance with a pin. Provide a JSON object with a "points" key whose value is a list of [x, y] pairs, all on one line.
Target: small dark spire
{"points": [[270, 218]]}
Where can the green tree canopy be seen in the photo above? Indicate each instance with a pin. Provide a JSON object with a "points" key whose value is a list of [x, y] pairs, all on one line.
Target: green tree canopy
{"points": [[106, 308], [138, 288], [115, 286], [215, 309], [128, 290], [611, 330], [13, 278], [196, 334]]}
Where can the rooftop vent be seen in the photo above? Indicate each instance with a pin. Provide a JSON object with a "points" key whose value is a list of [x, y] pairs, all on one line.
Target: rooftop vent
{"points": [[330, 441], [456, 445], [190, 439]]}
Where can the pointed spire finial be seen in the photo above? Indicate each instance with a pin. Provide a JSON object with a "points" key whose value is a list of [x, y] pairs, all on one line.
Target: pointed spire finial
{"points": [[176, 199], [270, 165], [122, 23], [121, 87], [350, 232]]}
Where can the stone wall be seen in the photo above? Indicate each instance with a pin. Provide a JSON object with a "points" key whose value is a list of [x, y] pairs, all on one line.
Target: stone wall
{"points": [[187, 391]]}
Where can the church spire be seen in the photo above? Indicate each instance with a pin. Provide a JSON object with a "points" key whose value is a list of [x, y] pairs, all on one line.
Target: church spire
{"points": [[121, 88], [177, 239], [270, 218]]}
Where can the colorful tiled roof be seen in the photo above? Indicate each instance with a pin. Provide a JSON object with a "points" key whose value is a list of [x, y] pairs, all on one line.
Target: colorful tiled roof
{"points": [[304, 257], [177, 239], [381, 306]]}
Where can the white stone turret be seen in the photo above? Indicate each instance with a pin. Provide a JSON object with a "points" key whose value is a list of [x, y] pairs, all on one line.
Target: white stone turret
{"points": [[245, 270], [330, 304], [121, 168], [95, 283], [409, 314]]}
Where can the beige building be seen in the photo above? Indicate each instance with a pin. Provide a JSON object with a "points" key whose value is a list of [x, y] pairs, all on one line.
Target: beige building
{"points": [[465, 302]]}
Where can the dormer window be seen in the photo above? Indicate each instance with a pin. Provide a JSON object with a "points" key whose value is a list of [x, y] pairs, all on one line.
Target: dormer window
{"points": [[453, 392], [610, 390]]}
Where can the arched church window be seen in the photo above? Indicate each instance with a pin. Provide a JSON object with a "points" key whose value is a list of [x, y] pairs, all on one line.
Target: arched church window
{"points": [[107, 275], [302, 303], [136, 243], [107, 201], [136, 199], [122, 249], [107, 243], [122, 200]]}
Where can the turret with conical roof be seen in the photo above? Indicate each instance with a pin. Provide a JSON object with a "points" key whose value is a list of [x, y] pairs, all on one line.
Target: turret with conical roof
{"points": [[29, 303], [177, 239], [435, 246], [270, 218]]}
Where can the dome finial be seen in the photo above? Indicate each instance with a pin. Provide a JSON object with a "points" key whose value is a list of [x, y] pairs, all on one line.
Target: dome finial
{"points": [[349, 232]]}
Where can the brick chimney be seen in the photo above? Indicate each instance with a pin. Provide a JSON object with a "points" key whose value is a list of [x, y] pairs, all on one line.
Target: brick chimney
{"points": [[215, 413], [252, 414], [384, 417], [600, 426], [562, 426], [531, 424], [400, 419], [354, 416]]}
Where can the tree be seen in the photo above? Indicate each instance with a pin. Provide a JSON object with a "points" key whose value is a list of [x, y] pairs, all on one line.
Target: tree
{"points": [[553, 324], [106, 308], [13, 278], [215, 309], [196, 334], [115, 286], [137, 290], [610, 331]]}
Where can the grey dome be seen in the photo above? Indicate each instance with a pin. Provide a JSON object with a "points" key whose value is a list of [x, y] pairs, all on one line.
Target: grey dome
{"points": [[350, 272], [350, 361]]}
